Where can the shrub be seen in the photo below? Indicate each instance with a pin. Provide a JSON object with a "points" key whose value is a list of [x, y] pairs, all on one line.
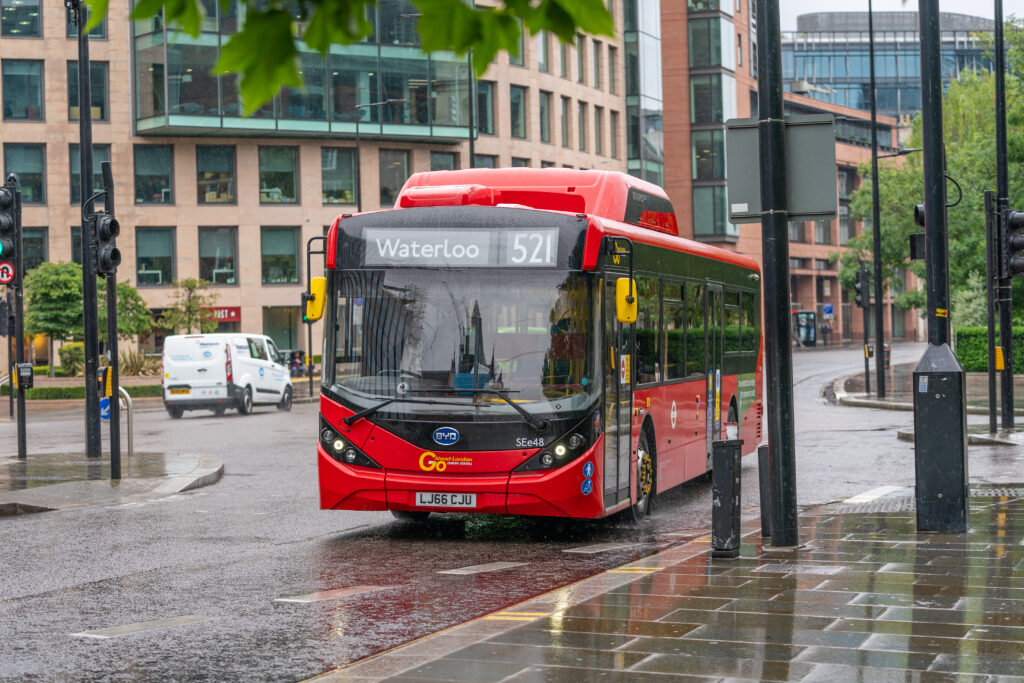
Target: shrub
{"points": [[72, 358], [43, 370], [54, 393], [138, 363], [972, 349]]}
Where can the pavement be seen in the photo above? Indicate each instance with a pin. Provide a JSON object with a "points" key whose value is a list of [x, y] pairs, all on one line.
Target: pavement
{"points": [[865, 597]]}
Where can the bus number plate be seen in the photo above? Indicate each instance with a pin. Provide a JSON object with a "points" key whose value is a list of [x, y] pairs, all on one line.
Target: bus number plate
{"points": [[447, 500]]}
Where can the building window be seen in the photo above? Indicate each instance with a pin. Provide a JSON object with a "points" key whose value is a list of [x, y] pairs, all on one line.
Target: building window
{"points": [[582, 126], [485, 107], [520, 162], [705, 42], [709, 211], [35, 248], [444, 161], [29, 162], [518, 59], [596, 48], [215, 174], [823, 232], [563, 59], [613, 131], [706, 98], [797, 233], [279, 255], [598, 130], [566, 103], [338, 175], [739, 49], [394, 171], [544, 100], [154, 256], [217, 249], [98, 31], [100, 153], [543, 54], [613, 69], [98, 86], [821, 264], [20, 18], [708, 154], [279, 175], [23, 90], [581, 58], [547, 164], [485, 161], [154, 174], [847, 228], [517, 110]]}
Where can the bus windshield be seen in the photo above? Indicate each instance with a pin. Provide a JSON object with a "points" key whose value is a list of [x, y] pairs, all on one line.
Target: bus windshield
{"points": [[449, 342]]}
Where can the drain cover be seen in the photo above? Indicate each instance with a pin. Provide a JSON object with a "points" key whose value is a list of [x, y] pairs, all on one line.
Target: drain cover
{"points": [[785, 568], [995, 491]]}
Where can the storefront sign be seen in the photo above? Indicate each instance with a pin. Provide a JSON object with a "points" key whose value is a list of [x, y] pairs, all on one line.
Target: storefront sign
{"points": [[226, 314]]}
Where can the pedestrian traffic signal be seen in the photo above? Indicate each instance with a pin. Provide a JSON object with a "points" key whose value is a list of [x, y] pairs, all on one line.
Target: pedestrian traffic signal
{"points": [[1013, 243], [108, 257], [8, 225], [919, 214], [861, 288]]}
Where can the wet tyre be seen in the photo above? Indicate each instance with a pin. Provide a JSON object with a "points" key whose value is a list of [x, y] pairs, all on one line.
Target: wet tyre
{"points": [[644, 477], [411, 515], [286, 400], [245, 403]]}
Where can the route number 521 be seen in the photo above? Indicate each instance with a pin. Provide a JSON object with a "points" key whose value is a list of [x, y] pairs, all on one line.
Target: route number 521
{"points": [[533, 248]]}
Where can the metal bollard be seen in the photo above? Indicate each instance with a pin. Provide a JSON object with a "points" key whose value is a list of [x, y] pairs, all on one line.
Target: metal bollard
{"points": [[764, 475], [725, 498]]}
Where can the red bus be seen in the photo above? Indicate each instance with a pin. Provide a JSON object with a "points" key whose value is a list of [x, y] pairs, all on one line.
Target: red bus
{"points": [[529, 342]]}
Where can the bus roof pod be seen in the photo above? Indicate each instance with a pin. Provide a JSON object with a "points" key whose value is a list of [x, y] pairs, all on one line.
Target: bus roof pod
{"points": [[608, 194]]}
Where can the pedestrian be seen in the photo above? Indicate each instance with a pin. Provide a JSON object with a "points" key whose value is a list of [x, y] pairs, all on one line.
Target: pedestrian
{"points": [[826, 332]]}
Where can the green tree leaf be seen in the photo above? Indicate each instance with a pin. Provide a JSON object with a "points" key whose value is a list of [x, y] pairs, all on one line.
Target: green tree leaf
{"points": [[191, 308], [264, 52]]}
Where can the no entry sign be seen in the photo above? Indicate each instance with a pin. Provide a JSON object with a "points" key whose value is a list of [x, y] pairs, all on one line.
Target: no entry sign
{"points": [[6, 272]]}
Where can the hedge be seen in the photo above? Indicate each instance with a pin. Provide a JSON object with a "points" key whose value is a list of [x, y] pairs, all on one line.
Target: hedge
{"points": [[972, 348], [53, 393], [59, 371]]}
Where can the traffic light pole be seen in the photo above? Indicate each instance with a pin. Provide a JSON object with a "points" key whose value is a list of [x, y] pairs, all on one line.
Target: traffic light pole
{"points": [[775, 248], [19, 312], [90, 317], [1002, 204], [112, 362], [991, 268], [876, 220]]}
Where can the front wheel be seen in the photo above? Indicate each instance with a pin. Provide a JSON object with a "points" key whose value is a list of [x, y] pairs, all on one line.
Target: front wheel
{"points": [[286, 400], [245, 403], [644, 478]]}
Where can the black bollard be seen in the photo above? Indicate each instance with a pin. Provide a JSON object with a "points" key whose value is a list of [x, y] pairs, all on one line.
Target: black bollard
{"points": [[725, 498], [764, 475]]}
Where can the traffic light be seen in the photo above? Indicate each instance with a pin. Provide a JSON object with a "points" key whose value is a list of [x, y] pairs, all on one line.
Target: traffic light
{"points": [[919, 214], [861, 289], [108, 257], [1013, 244], [8, 225]]}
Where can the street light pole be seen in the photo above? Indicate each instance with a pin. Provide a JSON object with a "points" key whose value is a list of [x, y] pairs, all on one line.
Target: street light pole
{"points": [[1002, 204], [359, 160], [875, 220]]}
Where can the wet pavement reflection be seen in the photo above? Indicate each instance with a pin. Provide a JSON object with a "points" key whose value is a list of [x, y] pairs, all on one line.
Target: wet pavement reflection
{"points": [[44, 469], [866, 598], [900, 380]]}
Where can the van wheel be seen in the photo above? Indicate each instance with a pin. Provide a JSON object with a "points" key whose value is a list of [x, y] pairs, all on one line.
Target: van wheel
{"points": [[644, 477], [411, 515], [245, 403], [175, 412], [286, 400], [218, 410]]}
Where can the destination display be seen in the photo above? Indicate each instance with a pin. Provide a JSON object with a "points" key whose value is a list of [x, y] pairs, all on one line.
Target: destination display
{"points": [[526, 247]]}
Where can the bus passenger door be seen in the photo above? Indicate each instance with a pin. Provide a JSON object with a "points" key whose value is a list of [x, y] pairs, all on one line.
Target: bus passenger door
{"points": [[713, 367], [618, 399]]}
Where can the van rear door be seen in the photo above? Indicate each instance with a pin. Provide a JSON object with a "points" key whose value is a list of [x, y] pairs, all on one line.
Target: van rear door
{"points": [[194, 366]]}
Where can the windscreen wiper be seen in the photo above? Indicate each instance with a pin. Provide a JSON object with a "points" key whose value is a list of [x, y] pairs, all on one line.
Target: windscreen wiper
{"points": [[537, 423], [352, 419]]}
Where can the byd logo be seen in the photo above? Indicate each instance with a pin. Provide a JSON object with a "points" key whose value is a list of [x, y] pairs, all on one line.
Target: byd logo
{"points": [[446, 436], [430, 462]]}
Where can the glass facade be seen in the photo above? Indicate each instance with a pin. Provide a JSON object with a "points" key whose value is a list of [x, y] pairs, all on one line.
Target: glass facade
{"points": [[154, 256], [100, 153], [215, 174], [279, 255], [29, 162], [154, 174], [394, 171], [175, 91], [20, 18], [23, 90], [98, 88], [279, 175], [218, 249], [645, 146], [338, 175]]}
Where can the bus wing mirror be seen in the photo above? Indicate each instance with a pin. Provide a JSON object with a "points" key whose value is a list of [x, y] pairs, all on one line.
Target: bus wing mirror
{"points": [[316, 299], [625, 300]]}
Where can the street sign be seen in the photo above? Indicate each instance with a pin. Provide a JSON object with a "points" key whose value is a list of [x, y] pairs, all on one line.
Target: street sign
{"points": [[6, 272], [827, 309], [105, 408]]}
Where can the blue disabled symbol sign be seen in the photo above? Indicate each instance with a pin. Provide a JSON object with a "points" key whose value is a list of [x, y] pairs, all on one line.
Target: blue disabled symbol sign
{"points": [[105, 408]]}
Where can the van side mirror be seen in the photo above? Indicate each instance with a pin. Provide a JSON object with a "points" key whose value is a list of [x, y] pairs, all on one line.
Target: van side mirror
{"points": [[625, 300], [316, 298]]}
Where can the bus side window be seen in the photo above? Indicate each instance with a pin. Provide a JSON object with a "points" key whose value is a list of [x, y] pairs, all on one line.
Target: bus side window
{"points": [[675, 339], [750, 329], [732, 323], [695, 340], [647, 362]]}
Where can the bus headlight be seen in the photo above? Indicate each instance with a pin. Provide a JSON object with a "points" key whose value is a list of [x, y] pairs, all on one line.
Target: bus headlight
{"points": [[351, 456], [546, 459], [576, 441], [340, 449], [338, 445], [560, 452]]}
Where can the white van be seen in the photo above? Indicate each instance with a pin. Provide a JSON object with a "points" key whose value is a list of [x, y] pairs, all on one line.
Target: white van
{"points": [[220, 371]]}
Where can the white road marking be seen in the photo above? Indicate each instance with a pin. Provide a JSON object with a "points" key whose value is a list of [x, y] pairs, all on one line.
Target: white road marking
{"points": [[331, 594], [873, 494], [598, 548], [142, 627], [484, 568]]}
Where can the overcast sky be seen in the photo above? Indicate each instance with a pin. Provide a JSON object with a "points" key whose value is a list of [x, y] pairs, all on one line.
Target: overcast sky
{"points": [[789, 9]]}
